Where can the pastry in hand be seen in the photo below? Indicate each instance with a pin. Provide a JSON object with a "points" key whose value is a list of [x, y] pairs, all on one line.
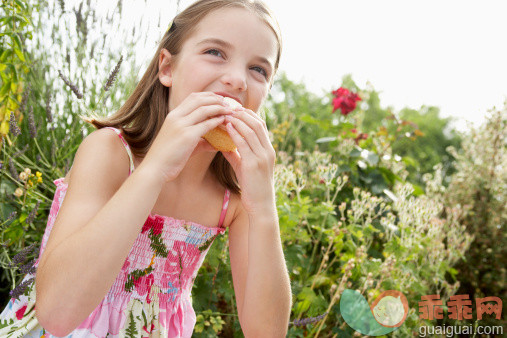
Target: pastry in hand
{"points": [[219, 137]]}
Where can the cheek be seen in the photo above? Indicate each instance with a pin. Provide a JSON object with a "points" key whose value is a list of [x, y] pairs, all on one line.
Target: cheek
{"points": [[258, 94]]}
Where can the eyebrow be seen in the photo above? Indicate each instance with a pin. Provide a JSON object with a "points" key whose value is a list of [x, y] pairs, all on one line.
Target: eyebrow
{"points": [[226, 44]]}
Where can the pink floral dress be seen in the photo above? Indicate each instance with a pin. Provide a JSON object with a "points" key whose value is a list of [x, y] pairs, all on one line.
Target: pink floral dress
{"points": [[151, 296]]}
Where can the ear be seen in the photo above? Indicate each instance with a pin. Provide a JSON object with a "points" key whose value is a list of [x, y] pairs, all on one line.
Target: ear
{"points": [[165, 68]]}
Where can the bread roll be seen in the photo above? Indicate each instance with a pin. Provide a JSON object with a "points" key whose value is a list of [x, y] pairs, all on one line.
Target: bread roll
{"points": [[219, 137]]}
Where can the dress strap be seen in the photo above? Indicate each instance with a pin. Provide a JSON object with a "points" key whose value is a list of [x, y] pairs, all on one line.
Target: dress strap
{"points": [[224, 207], [126, 147]]}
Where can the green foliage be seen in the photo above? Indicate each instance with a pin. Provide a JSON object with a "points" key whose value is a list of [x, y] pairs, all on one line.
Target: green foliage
{"points": [[429, 149], [213, 294], [208, 326], [350, 216], [476, 197], [419, 137], [16, 28]]}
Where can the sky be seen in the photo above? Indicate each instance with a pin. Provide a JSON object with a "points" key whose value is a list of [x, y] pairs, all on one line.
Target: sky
{"points": [[450, 54]]}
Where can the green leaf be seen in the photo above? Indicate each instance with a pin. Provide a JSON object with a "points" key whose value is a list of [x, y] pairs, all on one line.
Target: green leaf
{"points": [[418, 190], [324, 125], [372, 159], [389, 175], [326, 139], [22, 19], [355, 153], [4, 55], [20, 55], [14, 233], [307, 296], [309, 119], [14, 71], [322, 280], [409, 161], [17, 40], [5, 88], [346, 126], [20, 4]]}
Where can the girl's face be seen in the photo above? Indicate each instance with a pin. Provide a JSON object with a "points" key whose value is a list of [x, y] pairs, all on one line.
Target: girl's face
{"points": [[232, 51]]}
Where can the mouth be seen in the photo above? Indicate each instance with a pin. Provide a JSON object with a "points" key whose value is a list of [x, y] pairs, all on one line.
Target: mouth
{"points": [[227, 95]]}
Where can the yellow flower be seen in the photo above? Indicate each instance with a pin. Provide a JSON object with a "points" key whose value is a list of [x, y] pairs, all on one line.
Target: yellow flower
{"points": [[38, 174], [39, 180], [18, 192], [417, 132]]}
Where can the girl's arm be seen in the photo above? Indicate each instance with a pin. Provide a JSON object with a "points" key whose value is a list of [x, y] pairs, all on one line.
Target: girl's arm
{"points": [[97, 224], [260, 277]]}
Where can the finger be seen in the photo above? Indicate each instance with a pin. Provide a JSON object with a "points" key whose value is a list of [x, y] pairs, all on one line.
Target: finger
{"points": [[257, 117], [250, 112], [209, 124], [265, 141], [233, 158], [242, 144], [247, 124], [204, 113], [196, 100]]}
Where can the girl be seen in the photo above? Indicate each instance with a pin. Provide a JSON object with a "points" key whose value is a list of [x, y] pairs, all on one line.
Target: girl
{"points": [[122, 247]]}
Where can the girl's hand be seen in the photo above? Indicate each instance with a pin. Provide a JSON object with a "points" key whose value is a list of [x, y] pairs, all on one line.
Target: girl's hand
{"points": [[182, 130], [254, 161]]}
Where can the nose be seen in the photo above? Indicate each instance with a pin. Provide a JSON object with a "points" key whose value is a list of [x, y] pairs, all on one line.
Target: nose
{"points": [[235, 78]]}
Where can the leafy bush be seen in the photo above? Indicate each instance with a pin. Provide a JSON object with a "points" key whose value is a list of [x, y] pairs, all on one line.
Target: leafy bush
{"points": [[477, 197], [338, 235]]}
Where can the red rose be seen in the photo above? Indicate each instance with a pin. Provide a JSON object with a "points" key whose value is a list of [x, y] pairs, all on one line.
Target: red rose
{"points": [[344, 100]]}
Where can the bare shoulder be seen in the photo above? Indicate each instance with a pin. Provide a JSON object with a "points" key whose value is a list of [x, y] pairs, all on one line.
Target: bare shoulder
{"points": [[100, 167], [103, 143]]}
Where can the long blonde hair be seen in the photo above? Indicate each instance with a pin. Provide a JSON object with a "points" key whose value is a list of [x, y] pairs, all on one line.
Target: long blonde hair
{"points": [[144, 112]]}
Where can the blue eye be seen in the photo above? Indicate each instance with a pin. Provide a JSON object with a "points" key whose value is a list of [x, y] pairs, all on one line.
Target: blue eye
{"points": [[212, 50]]}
